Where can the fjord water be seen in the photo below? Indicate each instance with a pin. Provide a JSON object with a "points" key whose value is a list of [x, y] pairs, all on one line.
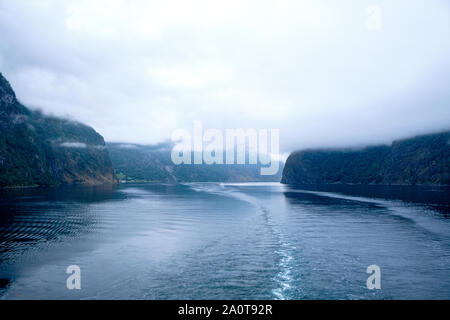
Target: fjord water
{"points": [[225, 241]]}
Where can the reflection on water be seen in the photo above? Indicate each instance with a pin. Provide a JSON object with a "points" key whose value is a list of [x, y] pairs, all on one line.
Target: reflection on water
{"points": [[225, 241], [36, 215]]}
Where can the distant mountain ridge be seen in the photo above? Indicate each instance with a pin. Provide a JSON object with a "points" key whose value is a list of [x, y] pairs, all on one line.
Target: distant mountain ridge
{"points": [[40, 150], [152, 163], [421, 160]]}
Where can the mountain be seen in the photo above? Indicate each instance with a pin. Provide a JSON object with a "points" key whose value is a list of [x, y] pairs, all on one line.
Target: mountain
{"points": [[422, 160], [41, 150], [152, 163]]}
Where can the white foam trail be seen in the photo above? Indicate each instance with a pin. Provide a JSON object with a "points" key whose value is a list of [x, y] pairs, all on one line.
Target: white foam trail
{"points": [[284, 277]]}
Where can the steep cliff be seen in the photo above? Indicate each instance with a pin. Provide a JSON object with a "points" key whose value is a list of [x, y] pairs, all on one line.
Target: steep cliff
{"points": [[40, 150], [422, 160]]}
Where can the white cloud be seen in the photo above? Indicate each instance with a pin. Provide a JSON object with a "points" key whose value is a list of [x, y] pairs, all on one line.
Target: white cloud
{"points": [[138, 70], [80, 145], [192, 78]]}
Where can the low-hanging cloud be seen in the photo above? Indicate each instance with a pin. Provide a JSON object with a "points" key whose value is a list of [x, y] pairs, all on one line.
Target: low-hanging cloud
{"points": [[77, 145], [137, 71]]}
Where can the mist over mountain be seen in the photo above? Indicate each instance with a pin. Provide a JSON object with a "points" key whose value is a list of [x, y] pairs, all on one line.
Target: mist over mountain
{"points": [[41, 150], [153, 163], [36, 149], [421, 160]]}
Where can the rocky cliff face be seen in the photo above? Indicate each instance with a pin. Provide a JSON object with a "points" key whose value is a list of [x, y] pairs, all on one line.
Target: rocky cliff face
{"points": [[422, 160], [41, 150]]}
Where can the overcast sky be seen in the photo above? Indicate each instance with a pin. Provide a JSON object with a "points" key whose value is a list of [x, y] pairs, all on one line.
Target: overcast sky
{"points": [[317, 70]]}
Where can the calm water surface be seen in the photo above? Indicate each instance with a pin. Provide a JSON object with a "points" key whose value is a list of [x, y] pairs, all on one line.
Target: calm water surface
{"points": [[225, 241]]}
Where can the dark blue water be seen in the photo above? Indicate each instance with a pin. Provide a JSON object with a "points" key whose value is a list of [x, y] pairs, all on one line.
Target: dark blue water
{"points": [[225, 241]]}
